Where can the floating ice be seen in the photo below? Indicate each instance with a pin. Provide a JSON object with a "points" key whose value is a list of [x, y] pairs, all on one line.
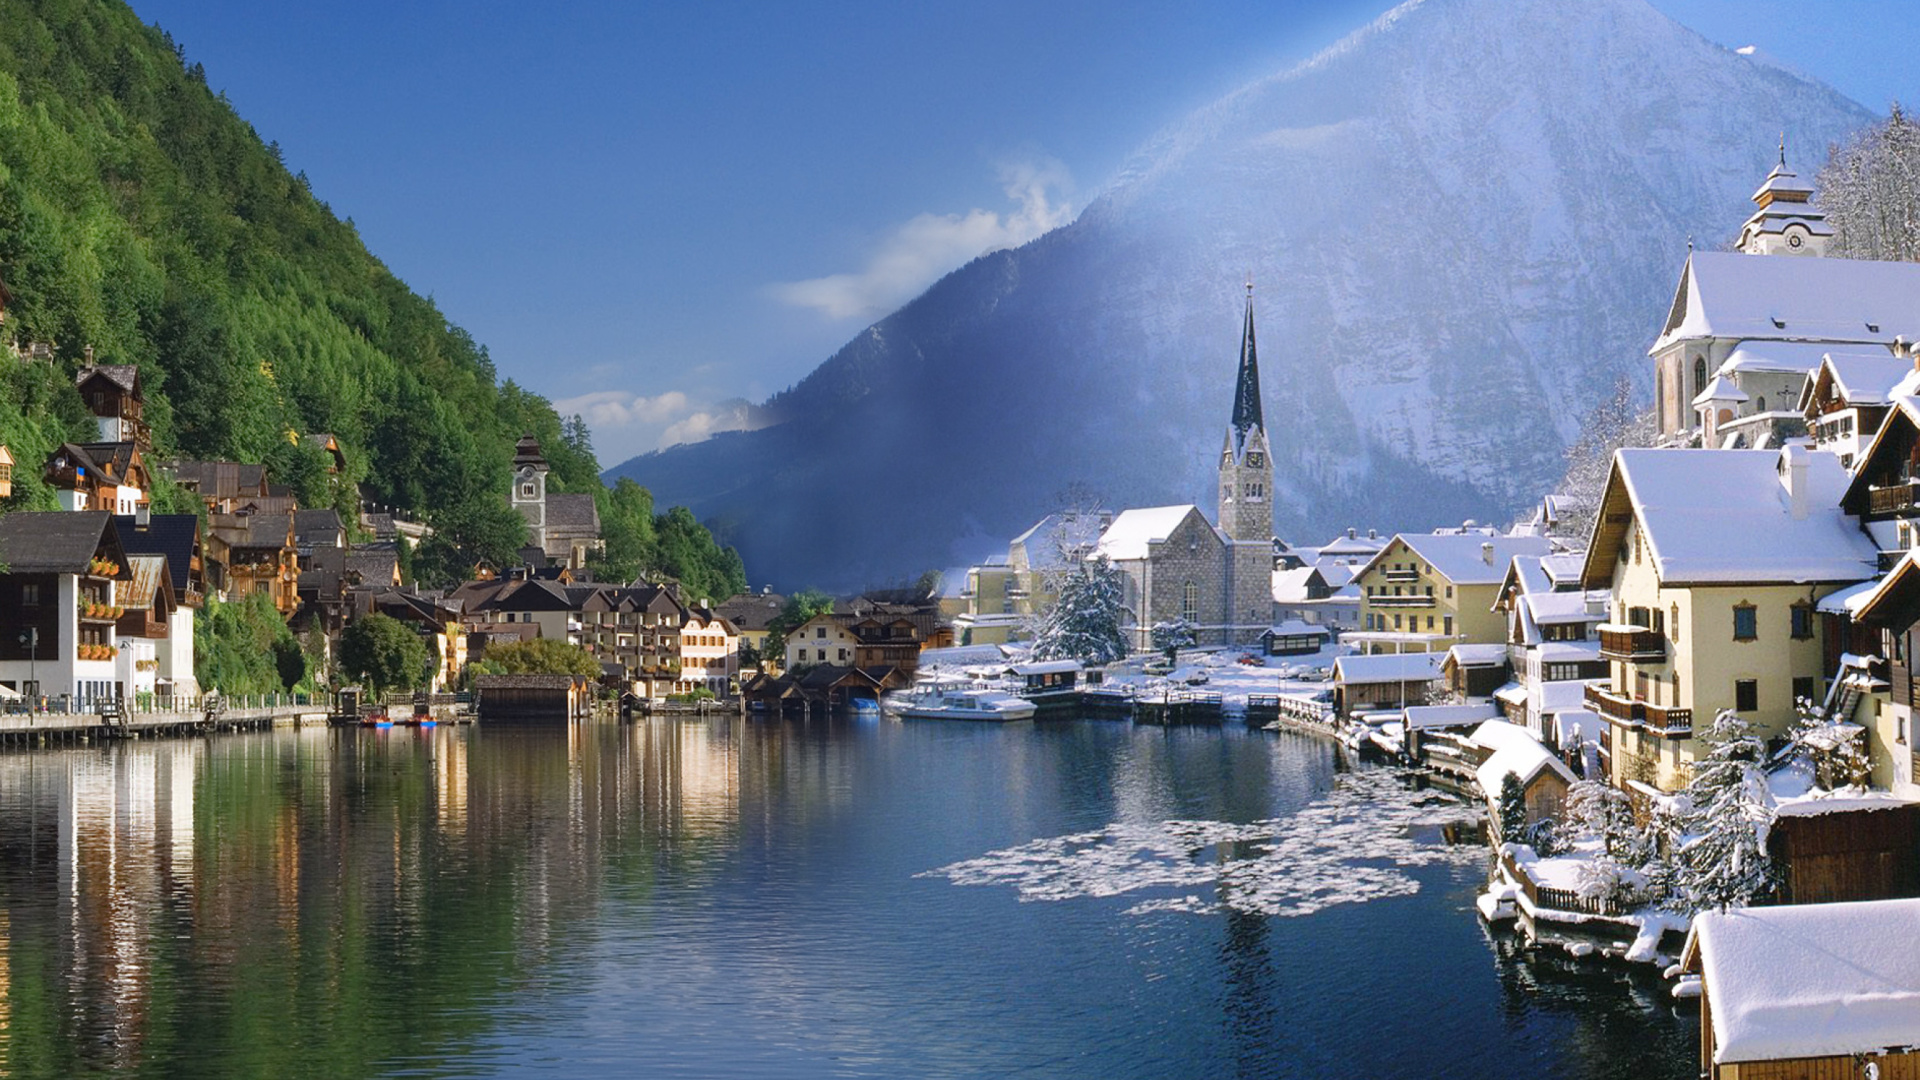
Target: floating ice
{"points": [[1350, 846]]}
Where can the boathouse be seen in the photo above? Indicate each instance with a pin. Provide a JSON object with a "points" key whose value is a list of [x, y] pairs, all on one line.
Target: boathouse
{"points": [[1808, 991], [533, 697]]}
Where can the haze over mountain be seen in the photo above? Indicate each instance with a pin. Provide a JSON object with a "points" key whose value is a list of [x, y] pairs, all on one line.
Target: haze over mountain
{"points": [[1463, 223]]}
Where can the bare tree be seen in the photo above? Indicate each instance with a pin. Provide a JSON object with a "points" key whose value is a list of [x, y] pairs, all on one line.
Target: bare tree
{"points": [[1616, 423], [1870, 191]]}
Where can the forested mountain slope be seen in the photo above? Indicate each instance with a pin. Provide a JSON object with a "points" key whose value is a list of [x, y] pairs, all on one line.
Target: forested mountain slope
{"points": [[140, 214]]}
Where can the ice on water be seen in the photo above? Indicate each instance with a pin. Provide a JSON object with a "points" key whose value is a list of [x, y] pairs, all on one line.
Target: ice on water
{"points": [[1353, 844]]}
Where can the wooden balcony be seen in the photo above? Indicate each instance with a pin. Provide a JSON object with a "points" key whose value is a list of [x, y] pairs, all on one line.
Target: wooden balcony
{"points": [[1894, 498], [1401, 576], [1669, 722], [1664, 720], [1632, 643], [1400, 601]]}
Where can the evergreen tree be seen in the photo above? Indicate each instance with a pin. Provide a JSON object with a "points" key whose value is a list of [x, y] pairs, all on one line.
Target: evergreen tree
{"points": [[289, 661], [1084, 622], [1513, 808], [1870, 191], [1722, 857], [1172, 636]]}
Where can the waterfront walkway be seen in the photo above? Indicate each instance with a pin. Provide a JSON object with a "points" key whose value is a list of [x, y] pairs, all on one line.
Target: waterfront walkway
{"points": [[44, 728]]}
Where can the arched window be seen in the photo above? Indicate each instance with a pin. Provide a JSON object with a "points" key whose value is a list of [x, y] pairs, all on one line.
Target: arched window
{"points": [[1699, 375], [1760, 403], [1190, 602]]}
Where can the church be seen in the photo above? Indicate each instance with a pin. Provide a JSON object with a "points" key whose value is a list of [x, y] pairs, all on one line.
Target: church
{"points": [[562, 529], [1216, 575]]}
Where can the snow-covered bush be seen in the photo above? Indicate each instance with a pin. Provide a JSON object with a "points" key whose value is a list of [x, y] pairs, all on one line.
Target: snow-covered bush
{"points": [[1171, 636], [1721, 856], [1835, 752]]}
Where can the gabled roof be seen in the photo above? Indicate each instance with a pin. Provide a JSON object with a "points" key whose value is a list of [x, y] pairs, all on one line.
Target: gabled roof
{"points": [[753, 611], [149, 577], [57, 542], [1415, 667], [1725, 294], [176, 536], [1465, 558], [220, 479], [1296, 585], [573, 511], [1809, 980], [124, 376], [1720, 389], [1856, 376], [1133, 530], [1724, 516]]}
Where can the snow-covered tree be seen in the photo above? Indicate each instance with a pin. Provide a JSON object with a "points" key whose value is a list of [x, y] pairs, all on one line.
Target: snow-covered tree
{"points": [[1513, 808], [1172, 636], [1084, 622], [1722, 857], [1600, 810], [1617, 422], [1835, 753], [1870, 191]]}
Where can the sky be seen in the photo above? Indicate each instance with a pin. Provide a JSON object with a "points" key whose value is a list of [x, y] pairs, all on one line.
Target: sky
{"points": [[652, 212]]}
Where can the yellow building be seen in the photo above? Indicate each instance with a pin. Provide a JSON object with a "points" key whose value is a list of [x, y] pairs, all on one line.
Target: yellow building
{"points": [[1714, 562], [1440, 587]]}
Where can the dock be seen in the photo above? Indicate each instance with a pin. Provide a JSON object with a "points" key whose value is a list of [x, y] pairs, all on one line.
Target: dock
{"points": [[22, 730], [1178, 707]]}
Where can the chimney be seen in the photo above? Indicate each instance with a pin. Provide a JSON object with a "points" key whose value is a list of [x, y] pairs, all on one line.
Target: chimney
{"points": [[1793, 471], [1373, 534], [89, 352], [142, 516], [1353, 533], [1486, 554]]}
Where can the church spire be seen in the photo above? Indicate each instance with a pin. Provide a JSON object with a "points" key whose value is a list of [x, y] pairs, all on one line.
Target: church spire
{"points": [[1246, 390]]}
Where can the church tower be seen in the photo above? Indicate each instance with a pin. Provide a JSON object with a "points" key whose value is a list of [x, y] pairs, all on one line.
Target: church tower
{"points": [[1246, 467], [1786, 223], [529, 494]]}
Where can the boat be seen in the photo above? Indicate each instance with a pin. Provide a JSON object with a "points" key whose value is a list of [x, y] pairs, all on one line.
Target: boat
{"points": [[958, 701]]}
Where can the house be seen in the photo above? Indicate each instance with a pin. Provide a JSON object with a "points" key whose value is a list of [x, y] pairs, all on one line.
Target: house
{"points": [[1384, 680], [1321, 593], [1875, 625], [709, 651], [112, 392], [145, 627], [640, 629], [435, 619], [1551, 641], [261, 556], [220, 484], [565, 527], [1295, 638], [827, 638], [1849, 396], [99, 476], [523, 698], [1714, 562], [1002, 597], [177, 538], [1744, 333], [58, 605], [1513, 752], [1474, 671], [751, 614], [1440, 587], [1808, 990]]}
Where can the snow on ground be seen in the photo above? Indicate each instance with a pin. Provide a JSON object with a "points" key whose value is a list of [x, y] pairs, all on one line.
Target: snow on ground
{"points": [[1350, 846]]}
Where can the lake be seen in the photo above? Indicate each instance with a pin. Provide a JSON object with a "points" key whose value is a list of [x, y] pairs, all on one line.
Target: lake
{"points": [[764, 898]]}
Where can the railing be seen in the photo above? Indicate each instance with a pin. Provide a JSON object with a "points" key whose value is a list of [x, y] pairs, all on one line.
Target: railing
{"points": [[1894, 497], [1639, 645], [1401, 575], [1670, 722], [1541, 896], [1400, 601], [1614, 706], [1666, 720]]}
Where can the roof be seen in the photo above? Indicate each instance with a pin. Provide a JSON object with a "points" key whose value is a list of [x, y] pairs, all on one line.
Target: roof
{"points": [[1478, 655], [1388, 667], [1861, 376], [523, 682], [174, 535], [125, 376], [1444, 716], [137, 594], [1293, 586], [1053, 537], [1246, 386], [527, 452], [220, 479], [53, 542], [306, 522], [1468, 558], [1726, 294], [1809, 980], [572, 511], [1045, 667], [1720, 389], [1297, 628], [752, 611], [1724, 516], [1133, 530], [1522, 758]]}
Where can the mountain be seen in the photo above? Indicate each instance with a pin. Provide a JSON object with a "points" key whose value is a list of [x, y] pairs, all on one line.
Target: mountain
{"points": [[1464, 222]]}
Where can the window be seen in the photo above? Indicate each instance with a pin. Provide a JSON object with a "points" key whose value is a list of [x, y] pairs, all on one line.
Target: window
{"points": [[29, 595], [1190, 602], [1429, 590], [1802, 621], [526, 491], [1449, 592], [820, 632], [1802, 688], [1396, 622], [1674, 622], [1429, 622], [1746, 695], [843, 654], [1760, 404], [1447, 623], [1746, 626], [1560, 672], [1699, 376]]}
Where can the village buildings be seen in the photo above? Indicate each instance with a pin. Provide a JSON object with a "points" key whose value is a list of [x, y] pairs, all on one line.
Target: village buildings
{"points": [[1436, 589], [59, 603]]}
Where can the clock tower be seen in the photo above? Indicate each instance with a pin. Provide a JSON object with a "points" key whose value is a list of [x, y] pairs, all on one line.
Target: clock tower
{"points": [[1246, 466]]}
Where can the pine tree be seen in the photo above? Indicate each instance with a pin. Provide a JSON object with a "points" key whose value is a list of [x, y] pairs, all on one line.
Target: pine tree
{"points": [[1513, 808], [1870, 191], [1722, 857], [1170, 637], [1084, 622]]}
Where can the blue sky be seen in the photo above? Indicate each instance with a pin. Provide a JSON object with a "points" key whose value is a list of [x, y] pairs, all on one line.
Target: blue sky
{"points": [[644, 210]]}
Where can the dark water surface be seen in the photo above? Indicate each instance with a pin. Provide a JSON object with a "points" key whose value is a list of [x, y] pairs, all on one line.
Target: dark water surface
{"points": [[752, 898]]}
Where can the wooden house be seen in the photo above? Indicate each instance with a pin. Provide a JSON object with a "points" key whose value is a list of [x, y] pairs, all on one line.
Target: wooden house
{"points": [[178, 539], [58, 605], [1384, 680], [110, 476], [1844, 849], [1513, 751], [221, 485], [532, 698], [1848, 397], [1295, 637], [1475, 671], [1808, 991], [262, 556], [113, 394]]}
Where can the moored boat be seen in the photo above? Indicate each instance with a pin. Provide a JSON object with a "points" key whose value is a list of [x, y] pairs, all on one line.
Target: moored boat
{"points": [[958, 701]]}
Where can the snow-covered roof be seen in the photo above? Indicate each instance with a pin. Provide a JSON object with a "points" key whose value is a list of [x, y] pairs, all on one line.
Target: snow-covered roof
{"points": [[1468, 558], [1353, 544], [1864, 376], [1809, 980], [1338, 574], [1562, 696], [1518, 755], [1054, 537], [1445, 716], [1388, 667], [1564, 566], [1045, 667], [1782, 180], [1133, 530], [1725, 516], [1495, 734], [1720, 389], [1850, 600], [1726, 294], [1566, 652], [1291, 586], [1299, 628], [1478, 655], [1512, 693]]}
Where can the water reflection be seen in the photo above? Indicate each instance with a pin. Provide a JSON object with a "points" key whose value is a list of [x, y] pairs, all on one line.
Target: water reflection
{"points": [[724, 897]]}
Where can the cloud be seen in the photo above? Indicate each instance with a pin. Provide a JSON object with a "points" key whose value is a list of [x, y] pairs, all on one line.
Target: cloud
{"points": [[918, 252], [734, 415], [619, 408]]}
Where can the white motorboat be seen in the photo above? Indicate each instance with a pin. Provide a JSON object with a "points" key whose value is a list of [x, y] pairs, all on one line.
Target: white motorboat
{"points": [[949, 701]]}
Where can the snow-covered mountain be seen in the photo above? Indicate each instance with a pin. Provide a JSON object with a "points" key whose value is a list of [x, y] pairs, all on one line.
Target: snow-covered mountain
{"points": [[1463, 222]]}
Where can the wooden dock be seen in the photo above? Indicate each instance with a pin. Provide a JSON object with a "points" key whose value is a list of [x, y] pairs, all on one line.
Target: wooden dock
{"points": [[25, 730], [1178, 707]]}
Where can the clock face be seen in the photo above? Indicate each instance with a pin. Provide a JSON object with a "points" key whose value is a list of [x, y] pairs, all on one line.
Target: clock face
{"points": [[1793, 240], [1256, 460]]}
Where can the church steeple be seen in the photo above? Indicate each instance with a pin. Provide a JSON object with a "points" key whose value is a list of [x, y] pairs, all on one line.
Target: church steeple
{"points": [[1246, 390], [1787, 222], [1246, 469]]}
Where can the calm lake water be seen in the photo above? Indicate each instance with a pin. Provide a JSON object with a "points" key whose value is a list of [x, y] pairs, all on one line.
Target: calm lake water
{"points": [[760, 898]]}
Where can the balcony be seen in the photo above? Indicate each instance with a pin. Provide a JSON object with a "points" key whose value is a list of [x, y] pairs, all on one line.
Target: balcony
{"points": [[1400, 601], [1636, 644], [1894, 498], [1401, 576], [1669, 722], [1663, 720]]}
